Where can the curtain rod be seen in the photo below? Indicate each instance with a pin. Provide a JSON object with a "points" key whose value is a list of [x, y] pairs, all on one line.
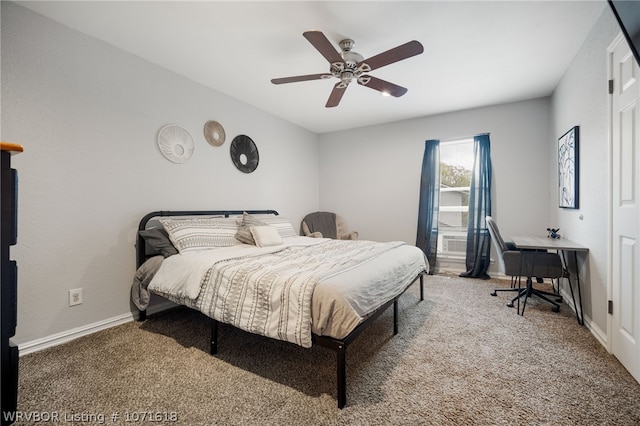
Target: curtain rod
{"points": [[463, 137]]}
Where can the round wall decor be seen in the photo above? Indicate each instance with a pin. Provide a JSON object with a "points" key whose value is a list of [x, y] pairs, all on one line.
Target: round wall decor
{"points": [[214, 133], [175, 143], [244, 154]]}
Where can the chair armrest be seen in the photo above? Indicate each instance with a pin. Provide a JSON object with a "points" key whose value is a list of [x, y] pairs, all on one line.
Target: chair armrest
{"points": [[305, 229], [512, 261], [349, 236]]}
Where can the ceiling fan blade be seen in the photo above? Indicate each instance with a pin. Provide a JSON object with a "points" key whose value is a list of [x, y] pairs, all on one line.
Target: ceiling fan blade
{"points": [[336, 95], [300, 78], [382, 86], [323, 45], [396, 54]]}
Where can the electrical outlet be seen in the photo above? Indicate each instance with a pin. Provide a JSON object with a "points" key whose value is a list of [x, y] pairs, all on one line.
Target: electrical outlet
{"points": [[75, 297]]}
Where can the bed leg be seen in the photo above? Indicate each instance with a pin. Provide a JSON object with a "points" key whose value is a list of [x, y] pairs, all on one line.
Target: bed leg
{"points": [[341, 357], [395, 316], [142, 315], [214, 337], [421, 286]]}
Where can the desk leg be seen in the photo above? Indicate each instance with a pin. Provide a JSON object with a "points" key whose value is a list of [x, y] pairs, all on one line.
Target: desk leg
{"points": [[581, 317], [526, 291], [519, 285], [522, 264], [526, 294], [579, 314]]}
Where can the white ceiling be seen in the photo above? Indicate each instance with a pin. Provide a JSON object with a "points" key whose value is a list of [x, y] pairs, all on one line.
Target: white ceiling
{"points": [[476, 53]]}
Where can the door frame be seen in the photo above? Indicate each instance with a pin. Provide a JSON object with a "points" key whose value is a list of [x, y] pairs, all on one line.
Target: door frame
{"points": [[615, 44], [610, 71]]}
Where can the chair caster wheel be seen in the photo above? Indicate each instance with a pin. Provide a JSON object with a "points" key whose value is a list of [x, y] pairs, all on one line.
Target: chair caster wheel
{"points": [[510, 305], [494, 294], [555, 309]]}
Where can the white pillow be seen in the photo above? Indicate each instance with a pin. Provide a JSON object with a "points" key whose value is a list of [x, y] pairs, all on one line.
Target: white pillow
{"points": [[282, 224], [265, 236], [244, 228], [201, 233]]}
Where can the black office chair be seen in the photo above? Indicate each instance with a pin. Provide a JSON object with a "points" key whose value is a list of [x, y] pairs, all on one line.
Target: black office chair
{"points": [[517, 263]]}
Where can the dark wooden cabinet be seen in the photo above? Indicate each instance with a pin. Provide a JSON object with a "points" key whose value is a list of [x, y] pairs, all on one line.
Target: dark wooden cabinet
{"points": [[8, 281]]}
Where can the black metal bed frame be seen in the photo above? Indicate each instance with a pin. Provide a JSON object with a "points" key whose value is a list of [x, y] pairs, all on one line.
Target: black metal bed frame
{"points": [[338, 345]]}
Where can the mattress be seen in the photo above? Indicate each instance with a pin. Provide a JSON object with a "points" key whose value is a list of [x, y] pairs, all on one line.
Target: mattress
{"points": [[344, 291]]}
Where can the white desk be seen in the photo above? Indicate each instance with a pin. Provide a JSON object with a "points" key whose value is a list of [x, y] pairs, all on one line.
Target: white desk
{"points": [[561, 245]]}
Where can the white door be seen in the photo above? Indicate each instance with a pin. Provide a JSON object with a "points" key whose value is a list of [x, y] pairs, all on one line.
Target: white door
{"points": [[625, 214]]}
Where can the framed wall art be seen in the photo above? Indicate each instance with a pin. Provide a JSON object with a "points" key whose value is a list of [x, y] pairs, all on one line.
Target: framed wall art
{"points": [[568, 170]]}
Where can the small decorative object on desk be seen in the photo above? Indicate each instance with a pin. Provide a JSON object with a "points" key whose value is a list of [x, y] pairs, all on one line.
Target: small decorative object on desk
{"points": [[553, 233]]}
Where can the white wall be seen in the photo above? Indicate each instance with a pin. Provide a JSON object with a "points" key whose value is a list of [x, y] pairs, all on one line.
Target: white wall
{"points": [[581, 99], [87, 115], [371, 175]]}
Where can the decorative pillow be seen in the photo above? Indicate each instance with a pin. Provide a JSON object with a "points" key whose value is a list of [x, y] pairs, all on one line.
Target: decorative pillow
{"points": [[282, 224], [201, 233], [244, 233], [265, 236], [159, 241]]}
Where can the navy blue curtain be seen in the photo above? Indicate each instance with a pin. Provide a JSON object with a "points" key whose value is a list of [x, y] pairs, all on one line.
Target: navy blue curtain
{"points": [[478, 239], [427, 238]]}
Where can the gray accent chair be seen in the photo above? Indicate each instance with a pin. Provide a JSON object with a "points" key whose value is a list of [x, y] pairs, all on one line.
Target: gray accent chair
{"points": [[517, 263], [326, 225]]}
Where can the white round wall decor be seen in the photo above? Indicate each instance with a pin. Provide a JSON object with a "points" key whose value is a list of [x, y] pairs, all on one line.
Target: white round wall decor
{"points": [[175, 143], [214, 133]]}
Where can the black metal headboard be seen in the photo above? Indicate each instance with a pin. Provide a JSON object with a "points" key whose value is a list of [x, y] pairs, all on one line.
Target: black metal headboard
{"points": [[141, 246]]}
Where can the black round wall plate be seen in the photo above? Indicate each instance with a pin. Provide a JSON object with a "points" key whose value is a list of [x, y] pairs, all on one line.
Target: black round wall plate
{"points": [[244, 153]]}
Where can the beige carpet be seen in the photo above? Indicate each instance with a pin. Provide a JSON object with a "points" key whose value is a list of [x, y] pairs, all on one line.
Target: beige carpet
{"points": [[461, 357]]}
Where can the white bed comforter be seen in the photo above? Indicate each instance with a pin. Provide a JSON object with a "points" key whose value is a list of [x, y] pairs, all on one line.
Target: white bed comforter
{"points": [[181, 275], [269, 290]]}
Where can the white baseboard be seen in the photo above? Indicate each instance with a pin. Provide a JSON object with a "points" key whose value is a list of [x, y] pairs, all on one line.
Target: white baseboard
{"points": [[597, 332], [69, 335], [591, 326]]}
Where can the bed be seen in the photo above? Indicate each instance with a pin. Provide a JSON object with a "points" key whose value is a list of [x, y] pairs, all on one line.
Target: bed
{"points": [[250, 269]]}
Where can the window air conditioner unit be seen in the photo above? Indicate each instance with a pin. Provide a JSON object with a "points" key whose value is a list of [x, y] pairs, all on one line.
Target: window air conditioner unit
{"points": [[454, 244]]}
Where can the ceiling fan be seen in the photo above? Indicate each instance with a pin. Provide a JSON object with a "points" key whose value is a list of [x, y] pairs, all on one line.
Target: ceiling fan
{"points": [[349, 65]]}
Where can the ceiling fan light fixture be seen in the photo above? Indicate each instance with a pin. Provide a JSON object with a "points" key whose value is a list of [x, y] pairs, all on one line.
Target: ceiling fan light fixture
{"points": [[352, 58], [346, 76]]}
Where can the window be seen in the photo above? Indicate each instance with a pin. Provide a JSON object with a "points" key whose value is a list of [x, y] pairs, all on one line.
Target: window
{"points": [[456, 167]]}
